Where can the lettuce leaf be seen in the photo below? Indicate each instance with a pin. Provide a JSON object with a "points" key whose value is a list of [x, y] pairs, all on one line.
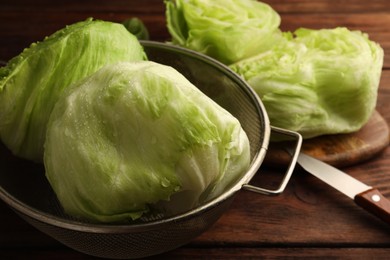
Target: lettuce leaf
{"points": [[228, 30], [32, 82], [139, 136], [317, 82]]}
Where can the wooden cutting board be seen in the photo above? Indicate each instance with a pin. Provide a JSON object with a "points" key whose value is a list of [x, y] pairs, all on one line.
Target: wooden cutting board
{"points": [[338, 150]]}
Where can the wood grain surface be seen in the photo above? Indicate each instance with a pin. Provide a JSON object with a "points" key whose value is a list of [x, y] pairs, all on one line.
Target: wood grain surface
{"points": [[309, 220], [338, 150]]}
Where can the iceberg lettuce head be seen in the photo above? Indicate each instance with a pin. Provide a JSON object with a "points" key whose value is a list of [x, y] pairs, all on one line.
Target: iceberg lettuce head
{"points": [[137, 136], [228, 30], [31, 82], [317, 82]]}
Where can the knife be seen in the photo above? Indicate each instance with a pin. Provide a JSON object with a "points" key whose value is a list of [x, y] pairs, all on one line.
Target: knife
{"points": [[367, 197]]}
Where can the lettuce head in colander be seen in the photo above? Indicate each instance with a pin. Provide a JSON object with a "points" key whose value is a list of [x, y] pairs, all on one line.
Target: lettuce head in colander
{"points": [[31, 82], [137, 136]]}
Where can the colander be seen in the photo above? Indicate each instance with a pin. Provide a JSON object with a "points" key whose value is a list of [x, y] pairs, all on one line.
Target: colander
{"points": [[24, 188]]}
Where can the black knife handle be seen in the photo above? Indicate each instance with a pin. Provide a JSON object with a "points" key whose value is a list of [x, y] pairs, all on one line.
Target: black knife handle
{"points": [[375, 203]]}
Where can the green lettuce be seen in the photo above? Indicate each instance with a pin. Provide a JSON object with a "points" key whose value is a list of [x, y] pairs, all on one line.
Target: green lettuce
{"points": [[228, 30], [138, 136], [31, 82], [136, 27], [317, 82]]}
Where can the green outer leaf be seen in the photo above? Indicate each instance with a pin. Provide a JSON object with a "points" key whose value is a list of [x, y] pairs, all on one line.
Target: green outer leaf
{"points": [[228, 30], [317, 82], [136, 27], [32, 82], [132, 135]]}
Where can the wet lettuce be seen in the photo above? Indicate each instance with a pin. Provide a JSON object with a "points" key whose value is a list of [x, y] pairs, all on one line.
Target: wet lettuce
{"points": [[317, 82], [139, 136], [228, 30], [32, 82]]}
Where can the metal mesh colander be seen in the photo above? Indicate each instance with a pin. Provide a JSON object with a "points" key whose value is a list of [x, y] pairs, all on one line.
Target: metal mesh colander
{"points": [[24, 188]]}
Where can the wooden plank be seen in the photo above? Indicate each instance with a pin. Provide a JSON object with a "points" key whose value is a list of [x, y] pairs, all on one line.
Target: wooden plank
{"points": [[276, 252], [299, 7], [227, 252], [133, 6], [339, 150], [281, 6], [384, 95]]}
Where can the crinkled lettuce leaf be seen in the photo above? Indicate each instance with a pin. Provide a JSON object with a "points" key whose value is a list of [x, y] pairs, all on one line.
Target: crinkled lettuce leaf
{"points": [[32, 82], [228, 30], [137, 136], [317, 82]]}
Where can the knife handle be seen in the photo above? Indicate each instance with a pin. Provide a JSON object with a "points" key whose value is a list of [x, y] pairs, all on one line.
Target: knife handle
{"points": [[375, 203]]}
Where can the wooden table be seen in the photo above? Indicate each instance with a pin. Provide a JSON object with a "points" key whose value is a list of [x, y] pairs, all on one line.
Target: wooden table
{"points": [[309, 219]]}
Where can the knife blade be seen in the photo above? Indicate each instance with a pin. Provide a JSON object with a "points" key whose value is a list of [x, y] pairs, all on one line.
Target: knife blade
{"points": [[365, 196]]}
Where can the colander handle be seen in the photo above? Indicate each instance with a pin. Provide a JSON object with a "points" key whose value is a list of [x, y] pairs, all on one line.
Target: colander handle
{"points": [[291, 166]]}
